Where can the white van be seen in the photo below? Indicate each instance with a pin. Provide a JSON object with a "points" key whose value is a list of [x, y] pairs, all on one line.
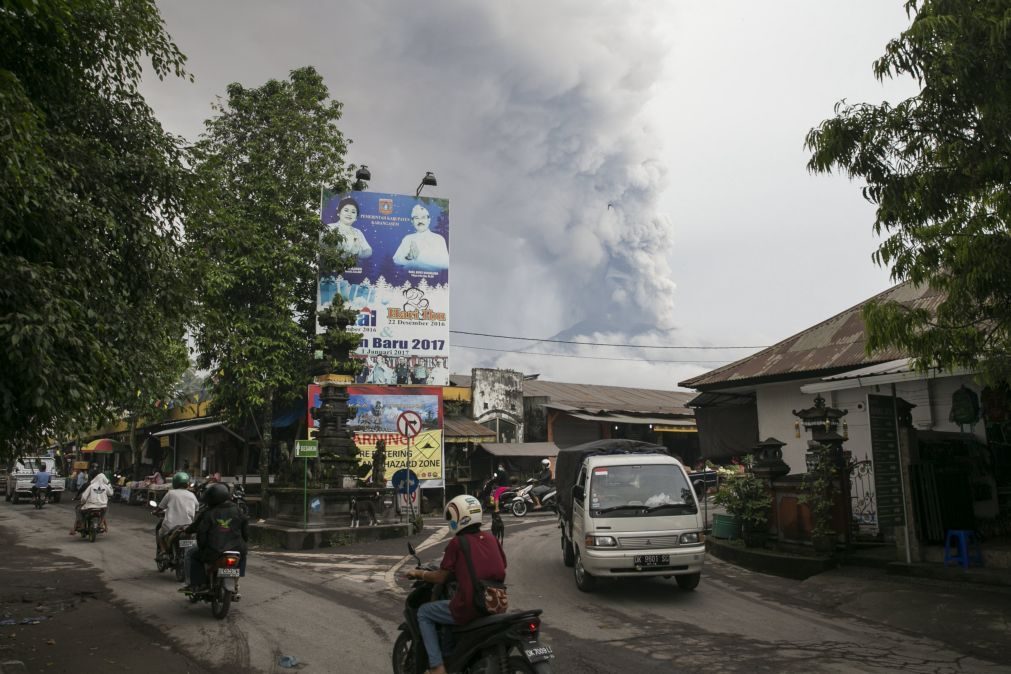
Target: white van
{"points": [[630, 512]]}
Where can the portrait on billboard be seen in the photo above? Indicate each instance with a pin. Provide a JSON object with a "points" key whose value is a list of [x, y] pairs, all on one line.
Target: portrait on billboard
{"points": [[400, 286]]}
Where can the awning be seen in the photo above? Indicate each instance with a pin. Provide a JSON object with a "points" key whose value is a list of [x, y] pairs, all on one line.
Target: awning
{"points": [[461, 429], [189, 428], [540, 449], [892, 372]]}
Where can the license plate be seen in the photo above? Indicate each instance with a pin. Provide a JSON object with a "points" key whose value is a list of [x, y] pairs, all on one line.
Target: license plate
{"points": [[651, 560], [186, 542], [228, 573], [537, 653]]}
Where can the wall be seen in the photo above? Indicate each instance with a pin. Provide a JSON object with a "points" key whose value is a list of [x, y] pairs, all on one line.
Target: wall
{"points": [[498, 394], [535, 419], [775, 403]]}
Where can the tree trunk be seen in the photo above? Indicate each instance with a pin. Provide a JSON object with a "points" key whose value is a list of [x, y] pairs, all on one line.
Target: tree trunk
{"points": [[268, 419], [135, 451]]}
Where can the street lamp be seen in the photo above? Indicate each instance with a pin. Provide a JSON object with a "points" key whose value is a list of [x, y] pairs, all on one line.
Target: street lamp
{"points": [[362, 176], [429, 179]]}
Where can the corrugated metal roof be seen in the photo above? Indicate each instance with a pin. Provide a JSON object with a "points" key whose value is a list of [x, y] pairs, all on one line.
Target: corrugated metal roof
{"points": [[830, 346], [541, 449], [462, 428], [595, 398]]}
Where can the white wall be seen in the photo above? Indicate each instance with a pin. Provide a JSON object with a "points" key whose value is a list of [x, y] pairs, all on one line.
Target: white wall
{"points": [[776, 403]]}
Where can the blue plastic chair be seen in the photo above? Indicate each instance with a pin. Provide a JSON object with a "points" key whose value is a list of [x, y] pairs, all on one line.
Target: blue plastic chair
{"points": [[957, 544]]}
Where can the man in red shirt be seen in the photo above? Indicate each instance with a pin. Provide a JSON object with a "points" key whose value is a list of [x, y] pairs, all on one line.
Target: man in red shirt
{"points": [[464, 516]]}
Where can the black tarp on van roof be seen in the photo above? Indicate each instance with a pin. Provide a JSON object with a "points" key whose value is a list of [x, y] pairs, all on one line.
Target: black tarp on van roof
{"points": [[570, 459]]}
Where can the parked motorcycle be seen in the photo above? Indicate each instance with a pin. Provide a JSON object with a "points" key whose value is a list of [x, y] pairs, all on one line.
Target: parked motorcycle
{"points": [[505, 643], [223, 579], [524, 500], [239, 496], [175, 558]]}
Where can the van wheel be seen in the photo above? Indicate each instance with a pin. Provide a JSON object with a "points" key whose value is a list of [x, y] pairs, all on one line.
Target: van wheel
{"points": [[568, 557], [689, 581], [584, 581]]}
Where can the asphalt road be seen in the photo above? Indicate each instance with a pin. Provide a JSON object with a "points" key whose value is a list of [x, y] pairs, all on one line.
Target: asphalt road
{"points": [[337, 610]]}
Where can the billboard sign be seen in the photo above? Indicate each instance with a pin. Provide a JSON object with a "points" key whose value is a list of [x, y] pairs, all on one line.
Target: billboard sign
{"points": [[407, 420], [399, 286]]}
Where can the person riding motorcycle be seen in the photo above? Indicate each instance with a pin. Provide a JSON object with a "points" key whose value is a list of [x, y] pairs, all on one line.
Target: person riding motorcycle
{"points": [[219, 526], [95, 496], [179, 506], [544, 480], [464, 515], [41, 481]]}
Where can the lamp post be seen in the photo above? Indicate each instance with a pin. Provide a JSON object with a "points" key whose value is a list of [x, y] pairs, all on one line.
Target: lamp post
{"points": [[429, 180], [362, 176]]}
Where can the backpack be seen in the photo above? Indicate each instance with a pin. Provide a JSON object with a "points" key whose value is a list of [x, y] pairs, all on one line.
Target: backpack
{"points": [[964, 407]]}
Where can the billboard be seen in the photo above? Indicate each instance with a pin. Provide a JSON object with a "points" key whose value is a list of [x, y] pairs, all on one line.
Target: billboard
{"points": [[380, 408], [399, 287]]}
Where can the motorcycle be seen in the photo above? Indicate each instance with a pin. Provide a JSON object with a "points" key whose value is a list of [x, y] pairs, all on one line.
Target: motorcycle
{"points": [[505, 643], [223, 580], [524, 500], [92, 526], [175, 559], [40, 497], [239, 496]]}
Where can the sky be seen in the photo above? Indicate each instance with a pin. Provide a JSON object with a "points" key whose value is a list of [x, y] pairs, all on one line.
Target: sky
{"points": [[628, 173]]}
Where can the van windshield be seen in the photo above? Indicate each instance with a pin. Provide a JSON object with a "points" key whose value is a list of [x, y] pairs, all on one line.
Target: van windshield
{"points": [[648, 489]]}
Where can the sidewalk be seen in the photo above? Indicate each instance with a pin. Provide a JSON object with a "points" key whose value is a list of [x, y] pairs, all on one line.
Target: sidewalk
{"points": [[57, 616], [883, 557]]}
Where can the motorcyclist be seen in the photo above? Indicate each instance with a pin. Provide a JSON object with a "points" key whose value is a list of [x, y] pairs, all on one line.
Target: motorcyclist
{"points": [[544, 480], [493, 488], [95, 496], [488, 559], [41, 480], [220, 526], [179, 506]]}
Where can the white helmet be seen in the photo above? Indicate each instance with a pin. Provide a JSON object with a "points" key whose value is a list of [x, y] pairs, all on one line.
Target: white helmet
{"points": [[463, 511], [546, 462]]}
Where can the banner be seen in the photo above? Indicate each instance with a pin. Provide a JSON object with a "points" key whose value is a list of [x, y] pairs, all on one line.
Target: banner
{"points": [[382, 412], [400, 286]]}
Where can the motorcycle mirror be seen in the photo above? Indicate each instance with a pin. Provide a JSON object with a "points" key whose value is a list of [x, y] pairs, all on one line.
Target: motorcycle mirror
{"points": [[410, 549]]}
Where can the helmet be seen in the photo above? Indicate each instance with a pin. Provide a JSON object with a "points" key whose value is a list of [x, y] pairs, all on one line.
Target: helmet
{"points": [[180, 480], [462, 512], [545, 462], [216, 494]]}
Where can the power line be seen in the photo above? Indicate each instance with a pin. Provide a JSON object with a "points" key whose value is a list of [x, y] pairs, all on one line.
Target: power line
{"points": [[630, 346], [568, 355]]}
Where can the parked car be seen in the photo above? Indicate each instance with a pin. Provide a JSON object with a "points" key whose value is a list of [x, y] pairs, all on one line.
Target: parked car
{"points": [[704, 480]]}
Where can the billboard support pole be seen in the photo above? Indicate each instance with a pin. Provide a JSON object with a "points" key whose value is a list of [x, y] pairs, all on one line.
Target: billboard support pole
{"points": [[410, 499]]}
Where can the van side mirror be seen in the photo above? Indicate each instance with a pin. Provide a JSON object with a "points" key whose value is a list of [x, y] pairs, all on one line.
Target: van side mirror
{"points": [[578, 493]]}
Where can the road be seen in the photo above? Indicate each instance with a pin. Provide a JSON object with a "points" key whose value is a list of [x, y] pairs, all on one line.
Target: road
{"points": [[338, 609]]}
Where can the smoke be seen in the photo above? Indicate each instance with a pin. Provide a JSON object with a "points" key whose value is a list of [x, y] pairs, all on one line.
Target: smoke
{"points": [[534, 118]]}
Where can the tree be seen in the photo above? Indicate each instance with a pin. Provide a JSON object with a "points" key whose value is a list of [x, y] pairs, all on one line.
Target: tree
{"points": [[254, 236], [937, 166], [91, 189]]}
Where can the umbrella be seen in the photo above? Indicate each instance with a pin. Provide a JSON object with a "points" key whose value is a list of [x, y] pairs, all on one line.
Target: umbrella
{"points": [[104, 446]]}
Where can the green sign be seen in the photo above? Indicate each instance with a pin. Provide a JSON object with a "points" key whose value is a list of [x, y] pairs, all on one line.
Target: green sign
{"points": [[306, 449]]}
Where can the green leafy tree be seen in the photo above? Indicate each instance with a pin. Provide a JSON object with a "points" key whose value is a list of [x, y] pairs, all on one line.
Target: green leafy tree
{"points": [[937, 166], [91, 190], [254, 236]]}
